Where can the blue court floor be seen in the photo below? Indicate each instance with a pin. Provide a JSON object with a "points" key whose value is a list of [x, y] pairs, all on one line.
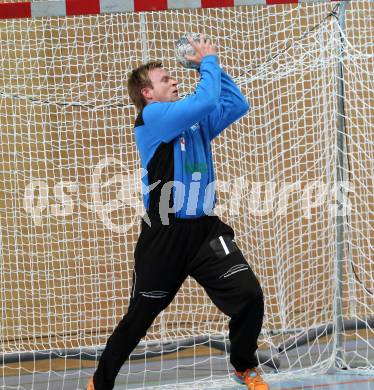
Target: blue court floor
{"points": [[75, 381], [327, 382]]}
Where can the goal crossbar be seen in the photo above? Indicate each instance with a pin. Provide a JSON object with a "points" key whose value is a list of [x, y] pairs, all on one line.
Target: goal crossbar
{"points": [[85, 7]]}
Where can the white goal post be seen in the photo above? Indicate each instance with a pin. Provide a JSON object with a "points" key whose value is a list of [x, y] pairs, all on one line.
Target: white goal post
{"points": [[295, 179]]}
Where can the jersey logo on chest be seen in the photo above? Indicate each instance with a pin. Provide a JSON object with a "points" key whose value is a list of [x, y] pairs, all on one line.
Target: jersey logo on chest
{"points": [[182, 143]]}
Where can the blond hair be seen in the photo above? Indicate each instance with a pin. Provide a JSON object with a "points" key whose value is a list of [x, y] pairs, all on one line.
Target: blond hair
{"points": [[138, 79]]}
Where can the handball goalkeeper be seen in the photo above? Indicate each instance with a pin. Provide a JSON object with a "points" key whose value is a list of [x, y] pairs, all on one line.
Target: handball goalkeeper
{"points": [[180, 235]]}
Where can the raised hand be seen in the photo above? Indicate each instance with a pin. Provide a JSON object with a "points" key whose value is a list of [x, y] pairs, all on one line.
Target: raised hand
{"points": [[202, 49]]}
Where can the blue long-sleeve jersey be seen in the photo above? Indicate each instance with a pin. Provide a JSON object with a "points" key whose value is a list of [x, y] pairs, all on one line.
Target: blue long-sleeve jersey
{"points": [[174, 138]]}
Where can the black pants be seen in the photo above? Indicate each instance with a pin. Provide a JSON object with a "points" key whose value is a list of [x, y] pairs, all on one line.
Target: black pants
{"points": [[164, 256]]}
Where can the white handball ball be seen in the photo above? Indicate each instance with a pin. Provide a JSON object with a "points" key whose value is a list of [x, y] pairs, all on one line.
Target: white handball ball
{"points": [[183, 48]]}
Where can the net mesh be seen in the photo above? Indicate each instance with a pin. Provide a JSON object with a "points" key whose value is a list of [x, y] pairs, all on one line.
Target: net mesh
{"points": [[70, 194]]}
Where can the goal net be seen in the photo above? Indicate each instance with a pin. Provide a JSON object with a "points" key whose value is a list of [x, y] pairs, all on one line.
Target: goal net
{"points": [[294, 180]]}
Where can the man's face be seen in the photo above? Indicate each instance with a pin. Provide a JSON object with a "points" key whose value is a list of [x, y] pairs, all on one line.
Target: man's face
{"points": [[164, 87]]}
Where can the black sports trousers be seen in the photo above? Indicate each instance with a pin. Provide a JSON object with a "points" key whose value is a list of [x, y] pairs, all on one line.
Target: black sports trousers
{"points": [[165, 255]]}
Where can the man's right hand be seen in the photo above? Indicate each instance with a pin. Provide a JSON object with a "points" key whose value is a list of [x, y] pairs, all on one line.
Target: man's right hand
{"points": [[202, 49]]}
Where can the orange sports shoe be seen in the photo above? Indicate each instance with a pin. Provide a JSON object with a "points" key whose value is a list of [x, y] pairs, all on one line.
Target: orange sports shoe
{"points": [[90, 385], [252, 379]]}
